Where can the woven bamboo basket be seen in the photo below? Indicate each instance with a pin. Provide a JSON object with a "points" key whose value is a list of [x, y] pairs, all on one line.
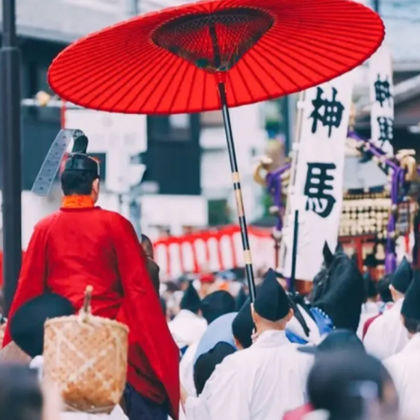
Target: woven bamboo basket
{"points": [[86, 357]]}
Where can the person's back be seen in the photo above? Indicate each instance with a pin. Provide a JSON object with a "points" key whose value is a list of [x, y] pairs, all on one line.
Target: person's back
{"points": [[263, 381], [270, 378], [387, 335], [84, 245], [80, 250], [405, 366]]}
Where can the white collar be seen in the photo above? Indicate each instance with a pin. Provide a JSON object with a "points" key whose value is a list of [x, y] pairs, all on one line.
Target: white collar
{"points": [[271, 338], [186, 313]]}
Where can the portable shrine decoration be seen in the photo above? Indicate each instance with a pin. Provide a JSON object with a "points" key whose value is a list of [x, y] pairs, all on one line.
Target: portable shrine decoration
{"points": [[213, 55]]}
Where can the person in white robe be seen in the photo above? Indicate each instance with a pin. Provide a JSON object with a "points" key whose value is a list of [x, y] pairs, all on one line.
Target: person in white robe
{"points": [[188, 326], [213, 306], [263, 381], [387, 335], [370, 308], [404, 366]]}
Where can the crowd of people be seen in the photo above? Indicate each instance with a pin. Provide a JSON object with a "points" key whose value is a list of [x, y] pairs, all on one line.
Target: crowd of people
{"points": [[199, 349]]}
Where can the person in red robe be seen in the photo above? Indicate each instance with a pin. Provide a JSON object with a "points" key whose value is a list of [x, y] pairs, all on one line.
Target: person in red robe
{"points": [[82, 245]]}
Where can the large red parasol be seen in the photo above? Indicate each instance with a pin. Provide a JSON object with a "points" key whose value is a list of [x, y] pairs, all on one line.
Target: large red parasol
{"points": [[214, 54]]}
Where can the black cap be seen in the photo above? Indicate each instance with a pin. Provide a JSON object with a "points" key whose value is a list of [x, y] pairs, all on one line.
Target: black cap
{"points": [[78, 159], [271, 301], [217, 304], [27, 325], [82, 162], [402, 277], [341, 339], [243, 325], [190, 300], [411, 305]]}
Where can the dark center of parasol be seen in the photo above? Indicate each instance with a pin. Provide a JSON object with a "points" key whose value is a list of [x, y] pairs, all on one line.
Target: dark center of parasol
{"points": [[214, 41]]}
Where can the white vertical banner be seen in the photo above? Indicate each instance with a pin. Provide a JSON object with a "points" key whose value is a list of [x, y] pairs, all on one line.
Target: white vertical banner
{"points": [[381, 98], [317, 190]]}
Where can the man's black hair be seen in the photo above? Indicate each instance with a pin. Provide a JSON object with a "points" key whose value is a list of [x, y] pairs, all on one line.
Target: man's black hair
{"points": [[412, 325], [77, 182], [336, 382]]}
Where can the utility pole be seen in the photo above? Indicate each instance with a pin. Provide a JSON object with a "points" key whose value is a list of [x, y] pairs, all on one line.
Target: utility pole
{"points": [[10, 151], [376, 5]]}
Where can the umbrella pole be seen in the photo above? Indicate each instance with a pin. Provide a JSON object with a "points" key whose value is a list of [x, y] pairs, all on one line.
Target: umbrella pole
{"points": [[238, 192]]}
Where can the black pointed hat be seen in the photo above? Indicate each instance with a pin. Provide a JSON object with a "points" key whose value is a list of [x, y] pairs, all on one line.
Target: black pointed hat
{"points": [[191, 300], [271, 301], [402, 276], [243, 325], [79, 160], [27, 325], [411, 305]]}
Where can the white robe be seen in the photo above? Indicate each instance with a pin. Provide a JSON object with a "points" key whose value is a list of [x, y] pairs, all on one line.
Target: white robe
{"points": [[404, 368], [369, 310], [186, 369], [186, 328], [387, 334], [258, 383]]}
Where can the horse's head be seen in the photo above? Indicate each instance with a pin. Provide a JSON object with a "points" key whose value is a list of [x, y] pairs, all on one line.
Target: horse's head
{"points": [[339, 289]]}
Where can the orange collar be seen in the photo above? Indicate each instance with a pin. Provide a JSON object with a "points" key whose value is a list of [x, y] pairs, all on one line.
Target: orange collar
{"points": [[77, 202]]}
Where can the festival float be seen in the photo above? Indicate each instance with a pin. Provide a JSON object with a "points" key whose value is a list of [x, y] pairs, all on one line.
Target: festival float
{"points": [[339, 187]]}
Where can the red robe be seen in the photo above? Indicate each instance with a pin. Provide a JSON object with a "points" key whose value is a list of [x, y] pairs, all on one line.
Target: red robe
{"points": [[74, 248]]}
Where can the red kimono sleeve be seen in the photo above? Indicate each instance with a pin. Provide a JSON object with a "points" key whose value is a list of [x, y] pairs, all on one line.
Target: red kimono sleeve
{"points": [[141, 309], [32, 276]]}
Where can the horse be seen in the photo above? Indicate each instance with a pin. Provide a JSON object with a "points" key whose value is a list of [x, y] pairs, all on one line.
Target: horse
{"points": [[338, 289]]}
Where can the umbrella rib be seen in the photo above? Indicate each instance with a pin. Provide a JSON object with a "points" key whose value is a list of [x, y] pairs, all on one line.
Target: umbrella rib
{"points": [[135, 75], [174, 96], [204, 90], [238, 69], [84, 58], [303, 53], [304, 41], [146, 82], [232, 89], [250, 56], [191, 88], [310, 40], [359, 35], [251, 70], [121, 60], [322, 30], [270, 52], [88, 70], [86, 86]]}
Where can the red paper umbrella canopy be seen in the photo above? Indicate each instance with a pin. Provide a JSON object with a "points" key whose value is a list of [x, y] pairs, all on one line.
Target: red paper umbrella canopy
{"points": [[171, 61]]}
